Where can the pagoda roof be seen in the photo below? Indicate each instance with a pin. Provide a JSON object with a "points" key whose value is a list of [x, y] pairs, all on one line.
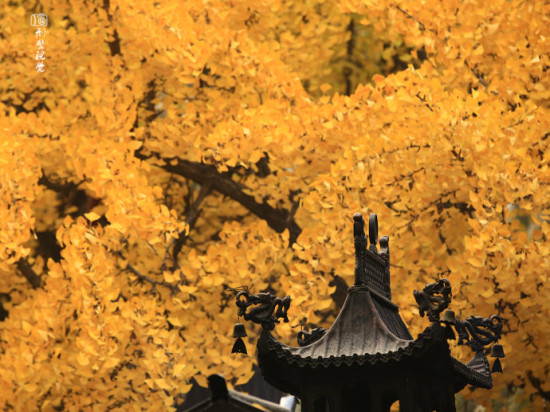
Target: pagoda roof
{"points": [[368, 331], [363, 339]]}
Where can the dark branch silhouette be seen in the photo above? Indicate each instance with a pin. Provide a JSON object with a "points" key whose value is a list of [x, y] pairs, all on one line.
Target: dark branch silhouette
{"points": [[277, 219], [28, 272]]}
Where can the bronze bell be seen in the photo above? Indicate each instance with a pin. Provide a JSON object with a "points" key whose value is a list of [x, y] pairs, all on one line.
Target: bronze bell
{"points": [[497, 366], [449, 316], [497, 351], [239, 331]]}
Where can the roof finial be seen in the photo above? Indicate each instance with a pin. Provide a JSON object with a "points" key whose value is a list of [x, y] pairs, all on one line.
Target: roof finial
{"points": [[385, 249], [360, 248], [218, 387], [373, 232]]}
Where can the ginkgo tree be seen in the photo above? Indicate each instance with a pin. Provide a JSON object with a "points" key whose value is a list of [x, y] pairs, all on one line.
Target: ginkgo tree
{"points": [[170, 151]]}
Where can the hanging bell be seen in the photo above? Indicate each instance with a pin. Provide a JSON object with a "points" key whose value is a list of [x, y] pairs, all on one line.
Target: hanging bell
{"points": [[239, 347], [449, 332], [239, 332], [497, 351], [497, 366], [449, 316]]}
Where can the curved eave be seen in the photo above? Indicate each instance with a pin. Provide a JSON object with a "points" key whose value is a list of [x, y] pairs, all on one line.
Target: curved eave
{"points": [[476, 372], [268, 346], [360, 335]]}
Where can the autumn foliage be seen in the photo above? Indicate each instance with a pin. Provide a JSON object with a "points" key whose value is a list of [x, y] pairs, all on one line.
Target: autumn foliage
{"points": [[174, 149]]}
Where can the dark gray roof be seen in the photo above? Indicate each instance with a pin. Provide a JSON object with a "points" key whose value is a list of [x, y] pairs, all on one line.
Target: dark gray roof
{"points": [[368, 328], [227, 400], [369, 331]]}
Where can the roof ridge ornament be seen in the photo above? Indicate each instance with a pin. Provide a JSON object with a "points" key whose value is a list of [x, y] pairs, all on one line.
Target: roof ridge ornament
{"points": [[308, 337], [475, 331], [373, 232], [385, 248], [434, 298], [360, 247], [264, 304]]}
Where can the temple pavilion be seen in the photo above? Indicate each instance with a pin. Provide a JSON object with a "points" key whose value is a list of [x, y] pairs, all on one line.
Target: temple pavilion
{"points": [[368, 360]]}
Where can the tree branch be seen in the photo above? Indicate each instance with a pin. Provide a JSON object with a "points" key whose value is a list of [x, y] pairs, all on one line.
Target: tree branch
{"points": [[403, 177], [537, 384], [201, 173], [114, 46], [410, 16], [141, 276], [193, 213], [477, 74], [349, 54], [29, 273]]}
